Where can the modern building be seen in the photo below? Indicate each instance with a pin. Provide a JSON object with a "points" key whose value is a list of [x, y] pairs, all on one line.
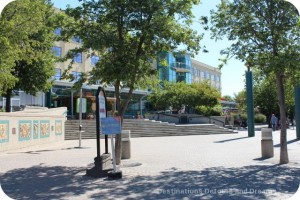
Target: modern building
{"points": [[175, 67], [204, 72]]}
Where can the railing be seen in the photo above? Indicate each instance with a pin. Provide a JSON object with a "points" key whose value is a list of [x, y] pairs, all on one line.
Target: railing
{"points": [[211, 120], [171, 118], [181, 67]]}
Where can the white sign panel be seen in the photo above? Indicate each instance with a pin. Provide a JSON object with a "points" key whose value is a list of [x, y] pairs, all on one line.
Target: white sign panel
{"points": [[102, 106]]}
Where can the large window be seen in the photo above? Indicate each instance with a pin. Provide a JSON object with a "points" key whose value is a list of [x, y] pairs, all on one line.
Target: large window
{"points": [[207, 75], [202, 75], [76, 75], [57, 31], [77, 39], [94, 60], [212, 77], [57, 75], [56, 51], [78, 58]]}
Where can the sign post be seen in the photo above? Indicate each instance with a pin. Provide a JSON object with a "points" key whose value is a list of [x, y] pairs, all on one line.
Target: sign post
{"points": [[112, 126], [102, 161]]}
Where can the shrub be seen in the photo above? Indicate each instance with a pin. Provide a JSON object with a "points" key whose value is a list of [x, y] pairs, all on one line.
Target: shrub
{"points": [[208, 111], [260, 118]]}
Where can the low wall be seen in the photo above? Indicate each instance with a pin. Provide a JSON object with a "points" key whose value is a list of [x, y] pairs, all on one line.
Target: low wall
{"points": [[187, 118], [32, 126]]}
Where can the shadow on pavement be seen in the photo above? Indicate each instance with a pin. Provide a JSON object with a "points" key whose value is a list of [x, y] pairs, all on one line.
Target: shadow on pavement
{"points": [[288, 142], [222, 141], [251, 182]]}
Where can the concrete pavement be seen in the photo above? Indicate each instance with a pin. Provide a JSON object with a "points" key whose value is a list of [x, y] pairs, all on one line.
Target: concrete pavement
{"points": [[182, 167]]}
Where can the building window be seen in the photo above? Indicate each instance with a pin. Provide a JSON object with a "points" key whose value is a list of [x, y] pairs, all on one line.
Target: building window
{"points": [[57, 31], [94, 60], [77, 39], [57, 75], [78, 58], [202, 75], [207, 75], [56, 51], [76, 75]]}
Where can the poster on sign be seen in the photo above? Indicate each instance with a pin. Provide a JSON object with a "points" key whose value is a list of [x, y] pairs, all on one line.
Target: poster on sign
{"points": [[102, 104], [110, 125]]}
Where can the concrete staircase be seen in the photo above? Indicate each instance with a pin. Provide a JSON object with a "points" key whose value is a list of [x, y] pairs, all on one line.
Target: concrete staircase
{"points": [[144, 128]]}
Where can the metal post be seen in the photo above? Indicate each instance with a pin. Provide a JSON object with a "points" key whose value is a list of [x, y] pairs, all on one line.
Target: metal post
{"points": [[297, 110], [72, 104], [49, 98], [250, 108], [80, 117], [141, 104]]}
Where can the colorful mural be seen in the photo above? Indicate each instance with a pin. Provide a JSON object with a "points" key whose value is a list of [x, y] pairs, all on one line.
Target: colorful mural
{"points": [[25, 128], [4, 131], [36, 131], [58, 127], [44, 128]]}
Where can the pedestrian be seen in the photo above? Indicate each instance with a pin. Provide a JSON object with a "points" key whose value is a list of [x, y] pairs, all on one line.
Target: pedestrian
{"points": [[274, 121]]}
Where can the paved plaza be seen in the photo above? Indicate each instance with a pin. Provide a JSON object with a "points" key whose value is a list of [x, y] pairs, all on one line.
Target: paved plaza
{"points": [[183, 167]]}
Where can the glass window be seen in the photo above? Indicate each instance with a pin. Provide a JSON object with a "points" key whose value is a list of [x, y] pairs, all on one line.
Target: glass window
{"points": [[212, 77], [56, 51], [94, 60], [57, 31], [207, 75], [57, 75], [202, 75], [77, 39], [76, 75], [78, 58]]}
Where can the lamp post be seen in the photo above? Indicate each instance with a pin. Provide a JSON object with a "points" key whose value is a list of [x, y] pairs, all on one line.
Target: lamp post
{"points": [[296, 3], [249, 99]]}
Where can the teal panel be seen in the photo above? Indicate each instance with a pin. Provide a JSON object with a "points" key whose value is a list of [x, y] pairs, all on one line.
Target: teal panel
{"points": [[25, 130], [44, 128], [4, 131]]}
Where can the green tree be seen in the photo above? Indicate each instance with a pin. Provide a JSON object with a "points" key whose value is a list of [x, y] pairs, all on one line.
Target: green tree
{"points": [[227, 98], [265, 95], [240, 99], [180, 93], [264, 35], [128, 35], [26, 40]]}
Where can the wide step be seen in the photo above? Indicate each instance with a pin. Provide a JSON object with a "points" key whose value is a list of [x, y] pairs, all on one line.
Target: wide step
{"points": [[143, 128]]}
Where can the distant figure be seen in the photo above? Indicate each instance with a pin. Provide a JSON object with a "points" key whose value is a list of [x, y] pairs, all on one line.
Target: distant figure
{"points": [[274, 121]]}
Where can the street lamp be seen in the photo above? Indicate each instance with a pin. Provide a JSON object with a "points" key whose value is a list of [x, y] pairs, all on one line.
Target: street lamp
{"points": [[249, 99], [296, 3]]}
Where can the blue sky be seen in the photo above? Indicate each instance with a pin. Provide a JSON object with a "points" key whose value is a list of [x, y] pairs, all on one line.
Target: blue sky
{"points": [[232, 73]]}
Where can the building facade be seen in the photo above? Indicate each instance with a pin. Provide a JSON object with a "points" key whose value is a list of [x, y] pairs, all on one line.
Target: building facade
{"points": [[204, 72], [175, 67], [172, 67]]}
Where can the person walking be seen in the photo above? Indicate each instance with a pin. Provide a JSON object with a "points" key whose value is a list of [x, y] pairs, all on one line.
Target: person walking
{"points": [[274, 121]]}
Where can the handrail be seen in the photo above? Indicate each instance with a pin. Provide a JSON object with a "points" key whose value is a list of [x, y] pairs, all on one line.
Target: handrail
{"points": [[210, 118]]}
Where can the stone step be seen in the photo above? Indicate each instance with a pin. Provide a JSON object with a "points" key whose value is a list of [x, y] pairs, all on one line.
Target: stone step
{"points": [[144, 128]]}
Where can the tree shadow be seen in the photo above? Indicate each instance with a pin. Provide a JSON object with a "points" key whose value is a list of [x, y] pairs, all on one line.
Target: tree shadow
{"points": [[222, 141], [250, 182], [288, 142]]}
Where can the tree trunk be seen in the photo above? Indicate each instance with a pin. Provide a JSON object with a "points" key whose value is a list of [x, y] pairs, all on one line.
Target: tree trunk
{"points": [[118, 149], [121, 107], [118, 143], [284, 158], [8, 100]]}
